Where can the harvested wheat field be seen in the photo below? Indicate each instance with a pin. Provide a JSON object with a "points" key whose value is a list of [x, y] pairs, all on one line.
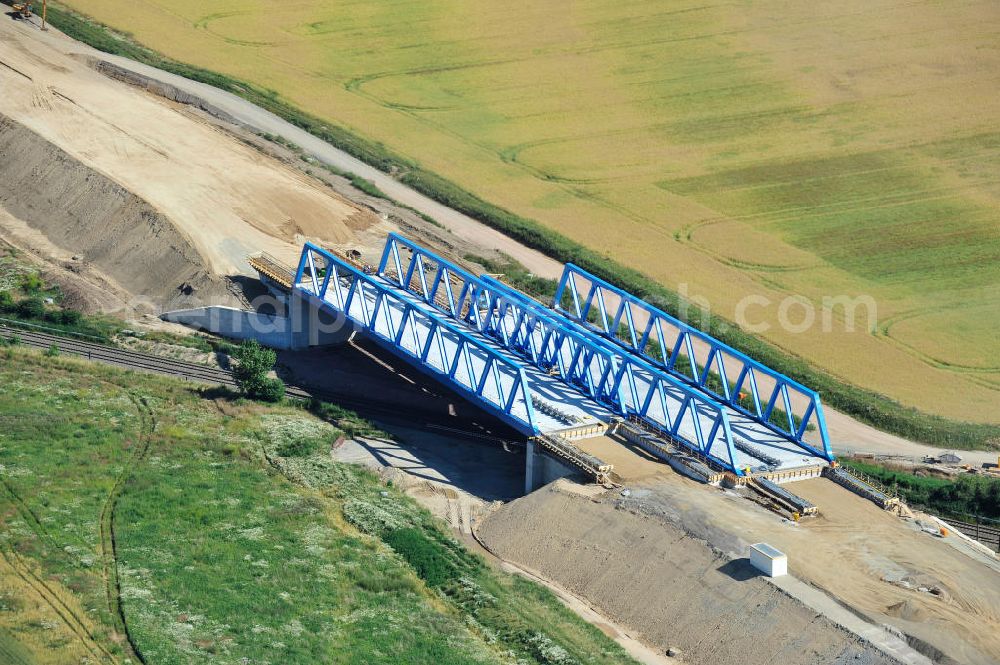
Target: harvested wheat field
{"points": [[767, 149], [144, 191]]}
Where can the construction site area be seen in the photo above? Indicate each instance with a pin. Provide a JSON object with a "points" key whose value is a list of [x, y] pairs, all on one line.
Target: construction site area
{"points": [[590, 441]]}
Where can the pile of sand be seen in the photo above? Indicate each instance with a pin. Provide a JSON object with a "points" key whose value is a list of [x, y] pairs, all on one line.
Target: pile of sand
{"points": [[673, 589]]}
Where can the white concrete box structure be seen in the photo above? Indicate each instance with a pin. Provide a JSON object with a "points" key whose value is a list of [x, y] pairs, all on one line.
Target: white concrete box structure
{"points": [[768, 560]]}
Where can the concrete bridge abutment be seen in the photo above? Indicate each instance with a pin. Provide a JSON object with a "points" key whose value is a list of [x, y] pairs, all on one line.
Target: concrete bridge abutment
{"points": [[300, 325], [541, 469]]}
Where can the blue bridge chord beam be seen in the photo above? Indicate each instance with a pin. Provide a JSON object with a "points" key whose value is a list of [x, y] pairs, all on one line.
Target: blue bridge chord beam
{"points": [[418, 335], [601, 371], [727, 375]]}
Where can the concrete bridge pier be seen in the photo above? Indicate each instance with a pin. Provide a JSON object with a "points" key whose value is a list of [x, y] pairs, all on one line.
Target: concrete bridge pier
{"points": [[541, 469]]}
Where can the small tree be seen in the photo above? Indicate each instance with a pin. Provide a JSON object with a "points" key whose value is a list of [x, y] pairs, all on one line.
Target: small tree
{"points": [[31, 308], [253, 364], [52, 351]]}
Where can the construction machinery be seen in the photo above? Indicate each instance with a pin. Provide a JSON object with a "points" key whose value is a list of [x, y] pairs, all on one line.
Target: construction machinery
{"points": [[23, 9]]}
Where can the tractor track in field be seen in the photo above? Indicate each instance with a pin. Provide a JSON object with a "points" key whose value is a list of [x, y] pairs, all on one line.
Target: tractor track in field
{"points": [[52, 598], [109, 546], [28, 514]]}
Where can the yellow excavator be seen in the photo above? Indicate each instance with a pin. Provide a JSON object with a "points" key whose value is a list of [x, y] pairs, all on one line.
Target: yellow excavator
{"points": [[24, 10]]}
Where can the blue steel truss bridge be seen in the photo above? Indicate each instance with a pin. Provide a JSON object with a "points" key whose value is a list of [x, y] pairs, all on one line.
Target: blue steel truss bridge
{"points": [[595, 358]]}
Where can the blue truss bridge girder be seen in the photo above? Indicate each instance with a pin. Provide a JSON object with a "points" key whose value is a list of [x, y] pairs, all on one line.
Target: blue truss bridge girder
{"points": [[747, 435], [787, 409], [415, 332], [531, 365], [654, 397], [601, 371]]}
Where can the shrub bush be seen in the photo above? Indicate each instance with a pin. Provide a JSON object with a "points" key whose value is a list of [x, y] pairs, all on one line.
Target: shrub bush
{"points": [[31, 308], [253, 363], [66, 317], [31, 283], [427, 558], [69, 317], [268, 390], [964, 496]]}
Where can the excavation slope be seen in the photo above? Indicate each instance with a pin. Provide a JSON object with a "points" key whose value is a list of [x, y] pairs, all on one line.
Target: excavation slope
{"points": [[152, 192], [673, 589], [84, 213]]}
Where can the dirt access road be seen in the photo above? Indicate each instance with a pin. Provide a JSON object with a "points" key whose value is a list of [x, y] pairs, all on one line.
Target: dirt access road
{"points": [[846, 432]]}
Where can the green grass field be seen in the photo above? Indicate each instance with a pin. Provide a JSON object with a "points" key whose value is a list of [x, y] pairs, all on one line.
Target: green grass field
{"points": [[139, 516], [770, 150]]}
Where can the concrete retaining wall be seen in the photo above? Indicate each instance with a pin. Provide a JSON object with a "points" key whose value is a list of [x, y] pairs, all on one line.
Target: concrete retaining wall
{"points": [[303, 326]]}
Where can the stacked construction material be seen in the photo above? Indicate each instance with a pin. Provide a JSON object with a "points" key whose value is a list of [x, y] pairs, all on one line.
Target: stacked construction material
{"points": [[681, 461], [272, 269], [552, 410], [652, 444], [843, 477], [782, 496], [563, 449]]}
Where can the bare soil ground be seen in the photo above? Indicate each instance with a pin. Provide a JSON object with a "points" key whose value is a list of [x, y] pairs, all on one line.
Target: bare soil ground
{"points": [[672, 589], [142, 204], [943, 594], [145, 191], [69, 213]]}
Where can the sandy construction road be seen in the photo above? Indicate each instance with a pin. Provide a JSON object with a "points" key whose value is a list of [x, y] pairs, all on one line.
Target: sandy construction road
{"points": [[226, 198]]}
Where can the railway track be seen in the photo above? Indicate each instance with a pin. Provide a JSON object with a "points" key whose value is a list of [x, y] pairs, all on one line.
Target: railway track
{"points": [[986, 534], [120, 357], [385, 412]]}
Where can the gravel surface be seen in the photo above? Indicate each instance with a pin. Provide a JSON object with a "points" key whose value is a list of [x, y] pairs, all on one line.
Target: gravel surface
{"points": [[674, 590]]}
